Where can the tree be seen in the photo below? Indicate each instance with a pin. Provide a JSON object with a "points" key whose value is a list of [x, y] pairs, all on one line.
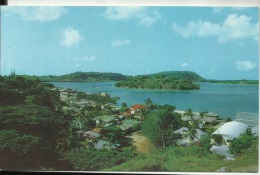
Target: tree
{"points": [[159, 126], [238, 145], [191, 133], [148, 102], [217, 138], [189, 113]]}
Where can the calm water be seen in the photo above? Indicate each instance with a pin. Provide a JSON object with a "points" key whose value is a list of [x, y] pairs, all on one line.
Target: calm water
{"points": [[223, 99]]}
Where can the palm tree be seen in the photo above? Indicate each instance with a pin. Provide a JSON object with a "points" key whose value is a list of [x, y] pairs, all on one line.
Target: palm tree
{"points": [[189, 113], [148, 102], [191, 133]]}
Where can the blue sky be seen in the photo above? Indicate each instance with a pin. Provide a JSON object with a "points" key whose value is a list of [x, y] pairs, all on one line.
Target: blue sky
{"points": [[217, 43]]}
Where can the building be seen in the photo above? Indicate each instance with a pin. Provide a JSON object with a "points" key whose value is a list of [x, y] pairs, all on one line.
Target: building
{"points": [[231, 130], [208, 120], [186, 140], [89, 135], [251, 119], [136, 108], [104, 120], [211, 114]]}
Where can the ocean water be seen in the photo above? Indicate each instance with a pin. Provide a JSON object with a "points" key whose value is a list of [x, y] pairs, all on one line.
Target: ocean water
{"points": [[223, 99]]}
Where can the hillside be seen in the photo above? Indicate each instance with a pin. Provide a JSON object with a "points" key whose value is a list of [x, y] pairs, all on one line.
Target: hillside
{"points": [[182, 75], [180, 80], [85, 76]]}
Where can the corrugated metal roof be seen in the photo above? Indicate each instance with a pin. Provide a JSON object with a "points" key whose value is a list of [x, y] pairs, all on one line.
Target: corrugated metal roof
{"points": [[251, 119]]}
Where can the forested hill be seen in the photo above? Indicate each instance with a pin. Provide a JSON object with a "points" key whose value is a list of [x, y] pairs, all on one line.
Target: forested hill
{"points": [[181, 80], [182, 75], [85, 76]]}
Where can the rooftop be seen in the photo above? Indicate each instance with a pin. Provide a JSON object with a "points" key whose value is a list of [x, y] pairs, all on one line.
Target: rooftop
{"points": [[138, 106], [251, 119], [106, 118]]}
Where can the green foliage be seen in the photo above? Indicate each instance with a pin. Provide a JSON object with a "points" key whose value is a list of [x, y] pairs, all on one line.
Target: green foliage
{"points": [[217, 138], [33, 124], [85, 76], [159, 81], [238, 145], [95, 160], [15, 142], [159, 126], [15, 90], [205, 142]]}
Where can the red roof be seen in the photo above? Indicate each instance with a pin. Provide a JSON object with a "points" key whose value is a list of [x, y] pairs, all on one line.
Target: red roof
{"points": [[138, 106]]}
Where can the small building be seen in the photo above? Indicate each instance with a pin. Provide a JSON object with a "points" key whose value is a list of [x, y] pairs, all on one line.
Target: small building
{"points": [[251, 119], [136, 108], [89, 135], [131, 122], [222, 150], [208, 120], [231, 130], [180, 112], [104, 120], [211, 114], [102, 144], [255, 130], [188, 118], [186, 140]]}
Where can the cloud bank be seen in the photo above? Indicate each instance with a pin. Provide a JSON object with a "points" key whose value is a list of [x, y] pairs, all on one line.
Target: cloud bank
{"points": [[245, 65], [40, 14], [144, 16], [234, 27]]}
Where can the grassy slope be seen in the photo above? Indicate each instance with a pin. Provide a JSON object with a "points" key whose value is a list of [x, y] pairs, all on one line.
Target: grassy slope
{"points": [[190, 159]]}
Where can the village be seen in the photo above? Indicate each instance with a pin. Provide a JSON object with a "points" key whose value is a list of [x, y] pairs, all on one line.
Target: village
{"points": [[129, 119]]}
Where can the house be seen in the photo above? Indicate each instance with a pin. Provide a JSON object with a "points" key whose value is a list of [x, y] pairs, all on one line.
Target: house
{"points": [[188, 118], [104, 120], [251, 119], [208, 120], [89, 135], [131, 122], [255, 130], [231, 130], [180, 112], [186, 140], [135, 108], [222, 150], [211, 114], [102, 144]]}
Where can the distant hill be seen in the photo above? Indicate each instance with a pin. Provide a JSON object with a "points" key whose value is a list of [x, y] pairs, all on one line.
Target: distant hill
{"points": [[84, 77], [181, 80], [182, 75]]}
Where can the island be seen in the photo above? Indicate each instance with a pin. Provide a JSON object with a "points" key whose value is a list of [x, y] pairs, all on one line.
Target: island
{"points": [[174, 80], [84, 77]]}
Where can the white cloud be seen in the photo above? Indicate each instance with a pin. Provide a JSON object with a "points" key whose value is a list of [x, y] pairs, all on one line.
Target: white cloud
{"points": [[119, 43], [70, 37], [245, 65], [234, 27], [184, 65], [85, 59], [41, 14], [143, 14]]}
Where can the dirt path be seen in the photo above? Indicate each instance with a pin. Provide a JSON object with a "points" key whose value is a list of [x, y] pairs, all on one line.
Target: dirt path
{"points": [[141, 142]]}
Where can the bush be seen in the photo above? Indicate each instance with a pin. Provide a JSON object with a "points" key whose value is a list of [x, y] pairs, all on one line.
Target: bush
{"points": [[238, 145]]}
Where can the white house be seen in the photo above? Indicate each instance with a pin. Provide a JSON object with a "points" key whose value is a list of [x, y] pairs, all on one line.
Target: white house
{"points": [[231, 130]]}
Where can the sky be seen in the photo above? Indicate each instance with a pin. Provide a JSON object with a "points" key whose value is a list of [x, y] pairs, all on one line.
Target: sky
{"points": [[215, 42]]}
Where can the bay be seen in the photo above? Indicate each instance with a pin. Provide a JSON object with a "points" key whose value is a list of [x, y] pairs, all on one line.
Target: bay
{"points": [[223, 99]]}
